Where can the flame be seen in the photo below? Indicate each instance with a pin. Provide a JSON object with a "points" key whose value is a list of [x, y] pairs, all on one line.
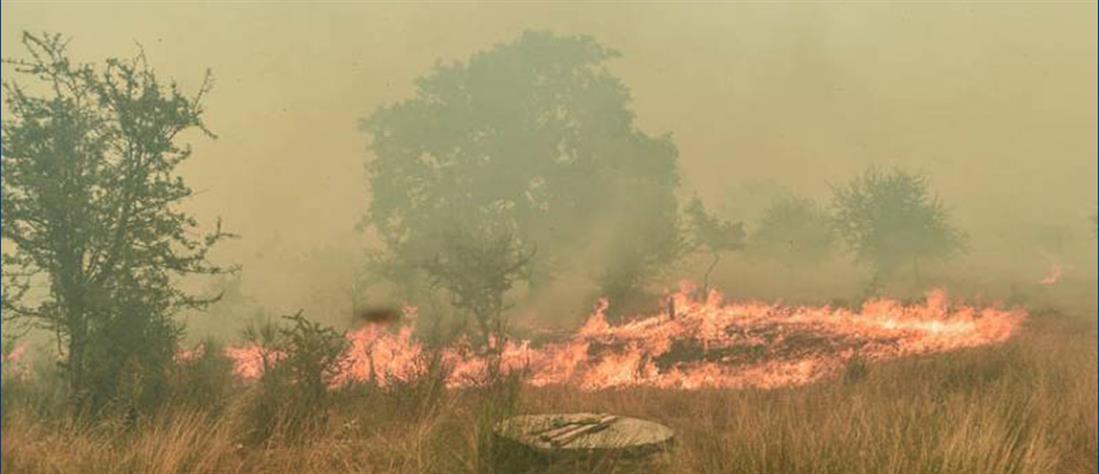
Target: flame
{"points": [[187, 356], [251, 361], [707, 344], [14, 364], [15, 355]]}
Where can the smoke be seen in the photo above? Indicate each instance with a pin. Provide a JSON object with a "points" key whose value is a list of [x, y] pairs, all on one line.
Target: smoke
{"points": [[994, 102]]}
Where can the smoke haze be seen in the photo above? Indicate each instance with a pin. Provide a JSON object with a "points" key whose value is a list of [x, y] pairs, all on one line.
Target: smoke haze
{"points": [[995, 102]]}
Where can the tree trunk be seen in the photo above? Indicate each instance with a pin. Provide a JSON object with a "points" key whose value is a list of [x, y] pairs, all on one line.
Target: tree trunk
{"points": [[77, 346], [75, 313], [77, 326], [706, 277]]}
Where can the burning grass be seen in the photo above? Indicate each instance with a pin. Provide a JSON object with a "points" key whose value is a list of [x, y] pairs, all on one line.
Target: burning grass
{"points": [[705, 344], [1027, 405]]}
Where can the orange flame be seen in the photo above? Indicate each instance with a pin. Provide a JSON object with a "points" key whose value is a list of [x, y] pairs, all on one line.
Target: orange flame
{"points": [[14, 365], [706, 344], [251, 361], [15, 355]]}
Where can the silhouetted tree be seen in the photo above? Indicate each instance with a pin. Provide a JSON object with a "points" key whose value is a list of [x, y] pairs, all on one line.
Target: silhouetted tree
{"points": [[712, 234], [891, 219], [477, 267], [539, 133], [793, 231], [91, 216]]}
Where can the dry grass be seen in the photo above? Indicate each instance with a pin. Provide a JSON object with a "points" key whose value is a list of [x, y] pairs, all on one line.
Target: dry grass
{"points": [[1026, 407]]}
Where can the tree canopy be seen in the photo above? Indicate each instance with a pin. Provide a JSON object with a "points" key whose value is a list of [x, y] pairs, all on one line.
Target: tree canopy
{"points": [[534, 137], [793, 231], [91, 216], [713, 234], [890, 220]]}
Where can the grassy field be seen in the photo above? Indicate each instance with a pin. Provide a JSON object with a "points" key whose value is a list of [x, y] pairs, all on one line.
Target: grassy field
{"points": [[1028, 406]]}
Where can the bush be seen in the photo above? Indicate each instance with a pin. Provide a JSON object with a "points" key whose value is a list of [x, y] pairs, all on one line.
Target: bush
{"points": [[204, 378], [292, 398]]}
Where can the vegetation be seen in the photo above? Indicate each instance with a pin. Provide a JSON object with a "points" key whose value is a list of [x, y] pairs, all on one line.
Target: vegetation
{"points": [[713, 234], [477, 270], [300, 362], [535, 136], [1027, 407], [528, 146], [890, 220], [794, 231], [90, 210]]}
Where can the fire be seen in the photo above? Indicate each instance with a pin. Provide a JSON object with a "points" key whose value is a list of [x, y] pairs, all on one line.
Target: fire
{"points": [[14, 364], [707, 344], [16, 354], [251, 361]]}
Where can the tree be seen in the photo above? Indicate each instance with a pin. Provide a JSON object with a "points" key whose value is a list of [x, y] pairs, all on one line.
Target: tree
{"points": [[891, 219], [714, 235], [538, 133], [793, 231], [91, 215], [477, 267]]}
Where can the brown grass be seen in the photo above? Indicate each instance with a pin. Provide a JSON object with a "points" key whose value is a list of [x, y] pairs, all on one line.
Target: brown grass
{"points": [[1028, 406]]}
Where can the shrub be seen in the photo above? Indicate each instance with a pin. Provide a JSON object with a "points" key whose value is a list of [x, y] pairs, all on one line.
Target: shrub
{"points": [[292, 398]]}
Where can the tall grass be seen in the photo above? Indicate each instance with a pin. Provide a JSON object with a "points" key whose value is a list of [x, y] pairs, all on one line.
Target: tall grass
{"points": [[1028, 406]]}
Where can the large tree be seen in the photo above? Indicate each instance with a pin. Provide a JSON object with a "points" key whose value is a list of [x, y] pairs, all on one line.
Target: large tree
{"points": [[537, 134], [94, 237], [890, 220]]}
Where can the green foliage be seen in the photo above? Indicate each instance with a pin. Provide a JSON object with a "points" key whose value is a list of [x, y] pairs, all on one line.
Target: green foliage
{"points": [[793, 231], [90, 214], [891, 219], [205, 380], [477, 269], [301, 359], [534, 136], [313, 355], [712, 234]]}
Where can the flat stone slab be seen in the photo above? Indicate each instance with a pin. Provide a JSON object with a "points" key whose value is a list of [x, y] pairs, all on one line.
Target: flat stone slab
{"points": [[624, 435]]}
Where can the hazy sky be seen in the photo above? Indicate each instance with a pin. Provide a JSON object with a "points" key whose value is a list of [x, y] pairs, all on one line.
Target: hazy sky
{"points": [[996, 101]]}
